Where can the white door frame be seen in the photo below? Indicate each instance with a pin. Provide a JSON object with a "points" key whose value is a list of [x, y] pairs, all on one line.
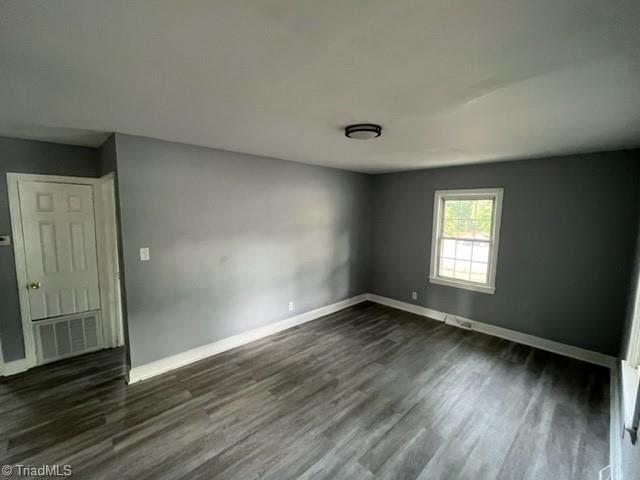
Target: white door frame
{"points": [[106, 251], [108, 265]]}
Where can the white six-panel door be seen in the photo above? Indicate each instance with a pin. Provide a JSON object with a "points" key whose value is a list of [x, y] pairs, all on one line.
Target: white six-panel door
{"points": [[60, 246]]}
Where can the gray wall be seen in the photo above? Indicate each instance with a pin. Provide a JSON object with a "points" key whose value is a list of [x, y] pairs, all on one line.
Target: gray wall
{"points": [[23, 156], [566, 244], [233, 239], [108, 161]]}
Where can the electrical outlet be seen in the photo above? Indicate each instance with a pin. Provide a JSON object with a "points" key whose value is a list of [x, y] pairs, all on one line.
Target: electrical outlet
{"points": [[414, 295], [291, 306]]}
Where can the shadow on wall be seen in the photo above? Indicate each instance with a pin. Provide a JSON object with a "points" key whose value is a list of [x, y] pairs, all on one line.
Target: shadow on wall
{"points": [[324, 270]]}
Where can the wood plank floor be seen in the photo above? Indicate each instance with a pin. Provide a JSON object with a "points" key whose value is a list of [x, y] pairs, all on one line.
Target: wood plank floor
{"points": [[368, 392]]}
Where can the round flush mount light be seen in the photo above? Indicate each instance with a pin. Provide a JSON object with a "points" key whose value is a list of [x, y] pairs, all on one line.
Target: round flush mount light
{"points": [[363, 131]]}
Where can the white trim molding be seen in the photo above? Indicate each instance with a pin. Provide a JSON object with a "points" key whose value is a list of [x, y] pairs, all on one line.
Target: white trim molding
{"points": [[30, 359], [630, 389], [632, 355], [158, 367], [108, 264], [16, 366], [167, 364], [407, 307], [518, 337], [37, 177], [173, 362], [629, 373]]}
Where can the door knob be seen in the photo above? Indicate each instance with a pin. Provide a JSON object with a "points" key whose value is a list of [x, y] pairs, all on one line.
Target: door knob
{"points": [[34, 285]]}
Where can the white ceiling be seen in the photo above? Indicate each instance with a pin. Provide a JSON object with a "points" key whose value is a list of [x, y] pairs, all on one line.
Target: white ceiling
{"points": [[451, 81]]}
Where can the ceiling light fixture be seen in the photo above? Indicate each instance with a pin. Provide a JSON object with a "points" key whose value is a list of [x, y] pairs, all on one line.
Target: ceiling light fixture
{"points": [[363, 131]]}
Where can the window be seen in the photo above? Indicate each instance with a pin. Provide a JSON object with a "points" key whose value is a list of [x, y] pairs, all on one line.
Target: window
{"points": [[464, 249]]}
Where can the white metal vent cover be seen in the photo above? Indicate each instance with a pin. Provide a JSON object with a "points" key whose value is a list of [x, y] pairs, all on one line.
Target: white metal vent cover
{"points": [[63, 337]]}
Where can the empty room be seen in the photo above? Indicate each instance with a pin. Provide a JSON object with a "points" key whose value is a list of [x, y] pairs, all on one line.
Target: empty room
{"points": [[357, 239]]}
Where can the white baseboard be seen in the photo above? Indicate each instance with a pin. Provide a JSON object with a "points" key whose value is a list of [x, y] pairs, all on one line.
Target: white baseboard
{"points": [[615, 425], [518, 337], [407, 307], [167, 364], [16, 366]]}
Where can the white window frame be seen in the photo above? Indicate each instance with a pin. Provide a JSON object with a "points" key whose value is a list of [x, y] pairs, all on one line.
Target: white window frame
{"points": [[633, 350], [440, 196], [630, 367]]}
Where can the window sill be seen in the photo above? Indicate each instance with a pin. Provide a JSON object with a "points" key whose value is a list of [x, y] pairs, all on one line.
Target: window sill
{"points": [[466, 286]]}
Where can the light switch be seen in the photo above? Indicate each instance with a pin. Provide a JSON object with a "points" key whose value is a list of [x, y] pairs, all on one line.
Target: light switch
{"points": [[5, 240], [144, 254]]}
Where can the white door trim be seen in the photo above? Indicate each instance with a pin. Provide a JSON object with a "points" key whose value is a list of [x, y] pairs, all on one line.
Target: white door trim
{"points": [[108, 265], [30, 358], [13, 179], [34, 177]]}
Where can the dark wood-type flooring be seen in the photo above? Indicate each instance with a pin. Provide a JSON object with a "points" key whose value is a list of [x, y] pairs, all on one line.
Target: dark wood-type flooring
{"points": [[368, 392]]}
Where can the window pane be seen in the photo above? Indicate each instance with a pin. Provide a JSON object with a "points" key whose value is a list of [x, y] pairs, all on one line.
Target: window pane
{"points": [[465, 228], [451, 208], [482, 229], [446, 267], [450, 227], [466, 209], [480, 252], [448, 248], [463, 249], [484, 209], [479, 272], [462, 270]]}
